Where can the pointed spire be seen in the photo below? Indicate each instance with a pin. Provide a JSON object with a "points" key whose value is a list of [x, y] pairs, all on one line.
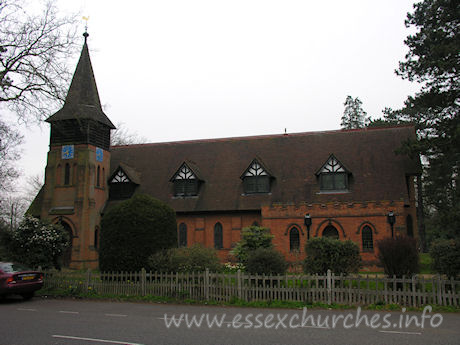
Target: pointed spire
{"points": [[82, 101]]}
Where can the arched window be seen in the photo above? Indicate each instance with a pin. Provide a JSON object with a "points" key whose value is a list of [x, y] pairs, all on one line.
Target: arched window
{"points": [[96, 237], [67, 255], [182, 235], [98, 176], [409, 226], [58, 175], [218, 236], [103, 178], [331, 231], [294, 240], [67, 174], [368, 242]]}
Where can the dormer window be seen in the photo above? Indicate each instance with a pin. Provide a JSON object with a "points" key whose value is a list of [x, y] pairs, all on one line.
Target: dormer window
{"points": [[185, 182], [121, 185], [333, 176], [120, 177], [256, 179]]}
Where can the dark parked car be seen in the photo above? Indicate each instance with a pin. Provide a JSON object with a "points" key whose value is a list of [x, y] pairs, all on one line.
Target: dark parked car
{"points": [[17, 279]]}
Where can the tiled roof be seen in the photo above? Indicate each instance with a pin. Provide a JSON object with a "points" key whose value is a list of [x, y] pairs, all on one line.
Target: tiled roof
{"points": [[82, 101], [377, 172]]}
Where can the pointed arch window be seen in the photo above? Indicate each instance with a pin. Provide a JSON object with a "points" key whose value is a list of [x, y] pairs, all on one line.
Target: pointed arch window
{"points": [[67, 174], [331, 231], [256, 179], [367, 238], [185, 182], [182, 235], [333, 175], [218, 236], [98, 176], [294, 240]]}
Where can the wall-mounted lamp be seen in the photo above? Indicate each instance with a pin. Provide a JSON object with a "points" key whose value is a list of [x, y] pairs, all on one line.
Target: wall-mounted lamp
{"points": [[391, 220]]}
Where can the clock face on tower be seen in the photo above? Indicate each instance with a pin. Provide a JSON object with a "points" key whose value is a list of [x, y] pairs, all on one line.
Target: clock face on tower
{"points": [[99, 154], [67, 152]]}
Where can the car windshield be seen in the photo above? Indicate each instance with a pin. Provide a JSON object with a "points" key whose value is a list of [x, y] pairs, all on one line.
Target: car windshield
{"points": [[9, 267]]}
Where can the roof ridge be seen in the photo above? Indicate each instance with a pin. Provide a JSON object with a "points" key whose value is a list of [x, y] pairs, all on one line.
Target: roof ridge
{"points": [[263, 136]]}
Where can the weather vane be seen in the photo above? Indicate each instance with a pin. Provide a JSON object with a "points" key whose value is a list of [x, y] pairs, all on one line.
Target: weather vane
{"points": [[86, 23]]}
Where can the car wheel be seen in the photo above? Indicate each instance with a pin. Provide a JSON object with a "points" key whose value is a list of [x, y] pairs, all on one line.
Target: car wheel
{"points": [[27, 295]]}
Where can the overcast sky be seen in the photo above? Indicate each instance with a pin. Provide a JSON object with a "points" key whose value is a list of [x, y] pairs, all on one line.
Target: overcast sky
{"points": [[190, 69]]}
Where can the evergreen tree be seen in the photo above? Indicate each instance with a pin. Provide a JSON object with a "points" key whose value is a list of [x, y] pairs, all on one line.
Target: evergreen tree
{"points": [[433, 61], [354, 116]]}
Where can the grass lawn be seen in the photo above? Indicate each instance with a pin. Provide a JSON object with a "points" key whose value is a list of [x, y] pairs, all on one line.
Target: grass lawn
{"points": [[425, 264]]}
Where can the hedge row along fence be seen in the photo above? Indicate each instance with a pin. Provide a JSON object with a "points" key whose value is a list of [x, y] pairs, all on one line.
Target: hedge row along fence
{"points": [[223, 287]]}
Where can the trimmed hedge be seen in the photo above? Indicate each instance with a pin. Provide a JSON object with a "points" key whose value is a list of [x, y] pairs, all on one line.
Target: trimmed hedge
{"points": [[266, 261], [185, 259], [446, 257], [252, 238], [399, 256], [134, 230], [324, 253]]}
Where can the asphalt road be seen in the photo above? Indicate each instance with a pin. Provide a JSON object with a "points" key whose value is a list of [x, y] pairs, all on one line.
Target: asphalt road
{"points": [[75, 322]]}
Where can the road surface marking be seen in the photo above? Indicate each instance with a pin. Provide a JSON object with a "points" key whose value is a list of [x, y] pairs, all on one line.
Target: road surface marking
{"points": [[94, 339], [26, 309], [68, 312], [116, 315], [399, 332]]}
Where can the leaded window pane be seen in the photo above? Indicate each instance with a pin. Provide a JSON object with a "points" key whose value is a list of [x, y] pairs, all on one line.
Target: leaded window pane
{"points": [[218, 236], [185, 187], [256, 184], [294, 240], [182, 235], [368, 243], [334, 181]]}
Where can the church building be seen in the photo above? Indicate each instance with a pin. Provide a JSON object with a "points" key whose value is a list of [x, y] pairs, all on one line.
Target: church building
{"points": [[346, 184]]}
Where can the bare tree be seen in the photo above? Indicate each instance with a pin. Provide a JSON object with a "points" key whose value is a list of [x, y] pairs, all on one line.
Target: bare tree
{"points": [[34, 54], [10, 139], [122, 136]]}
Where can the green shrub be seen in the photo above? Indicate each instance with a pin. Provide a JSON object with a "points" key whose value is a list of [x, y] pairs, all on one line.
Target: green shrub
{"points": [[324, 253], [399, 256], [134, 230], [36, 243], [186, 259], [446, 257], [252, 238], [266, 261]]}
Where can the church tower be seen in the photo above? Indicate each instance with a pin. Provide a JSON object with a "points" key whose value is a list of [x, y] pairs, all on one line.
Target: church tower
{"points": [[75, 189]]}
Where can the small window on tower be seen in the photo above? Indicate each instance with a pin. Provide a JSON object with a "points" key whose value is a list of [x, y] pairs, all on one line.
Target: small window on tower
{"points": [[67, 174]]}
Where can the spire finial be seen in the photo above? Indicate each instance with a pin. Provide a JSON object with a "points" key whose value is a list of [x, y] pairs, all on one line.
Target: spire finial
{"points": [[86, 34]]}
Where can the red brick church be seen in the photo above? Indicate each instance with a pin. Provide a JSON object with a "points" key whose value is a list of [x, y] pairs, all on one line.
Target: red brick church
{"points": [[347, 184]]}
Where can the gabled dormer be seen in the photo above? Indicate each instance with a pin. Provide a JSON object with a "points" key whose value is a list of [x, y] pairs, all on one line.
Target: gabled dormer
{"points": [[333, 176], [123, 182], [256, 178], [186, 180]]}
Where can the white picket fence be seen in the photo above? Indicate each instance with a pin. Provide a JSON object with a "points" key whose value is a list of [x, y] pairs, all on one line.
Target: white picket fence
{"points": [[224, 287]]}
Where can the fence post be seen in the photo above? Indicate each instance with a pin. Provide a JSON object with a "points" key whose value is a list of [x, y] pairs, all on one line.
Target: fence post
{"points": [[239, 285], [143, 281], [206, 284], [88, 278], [329, 288], [439, 290]]}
